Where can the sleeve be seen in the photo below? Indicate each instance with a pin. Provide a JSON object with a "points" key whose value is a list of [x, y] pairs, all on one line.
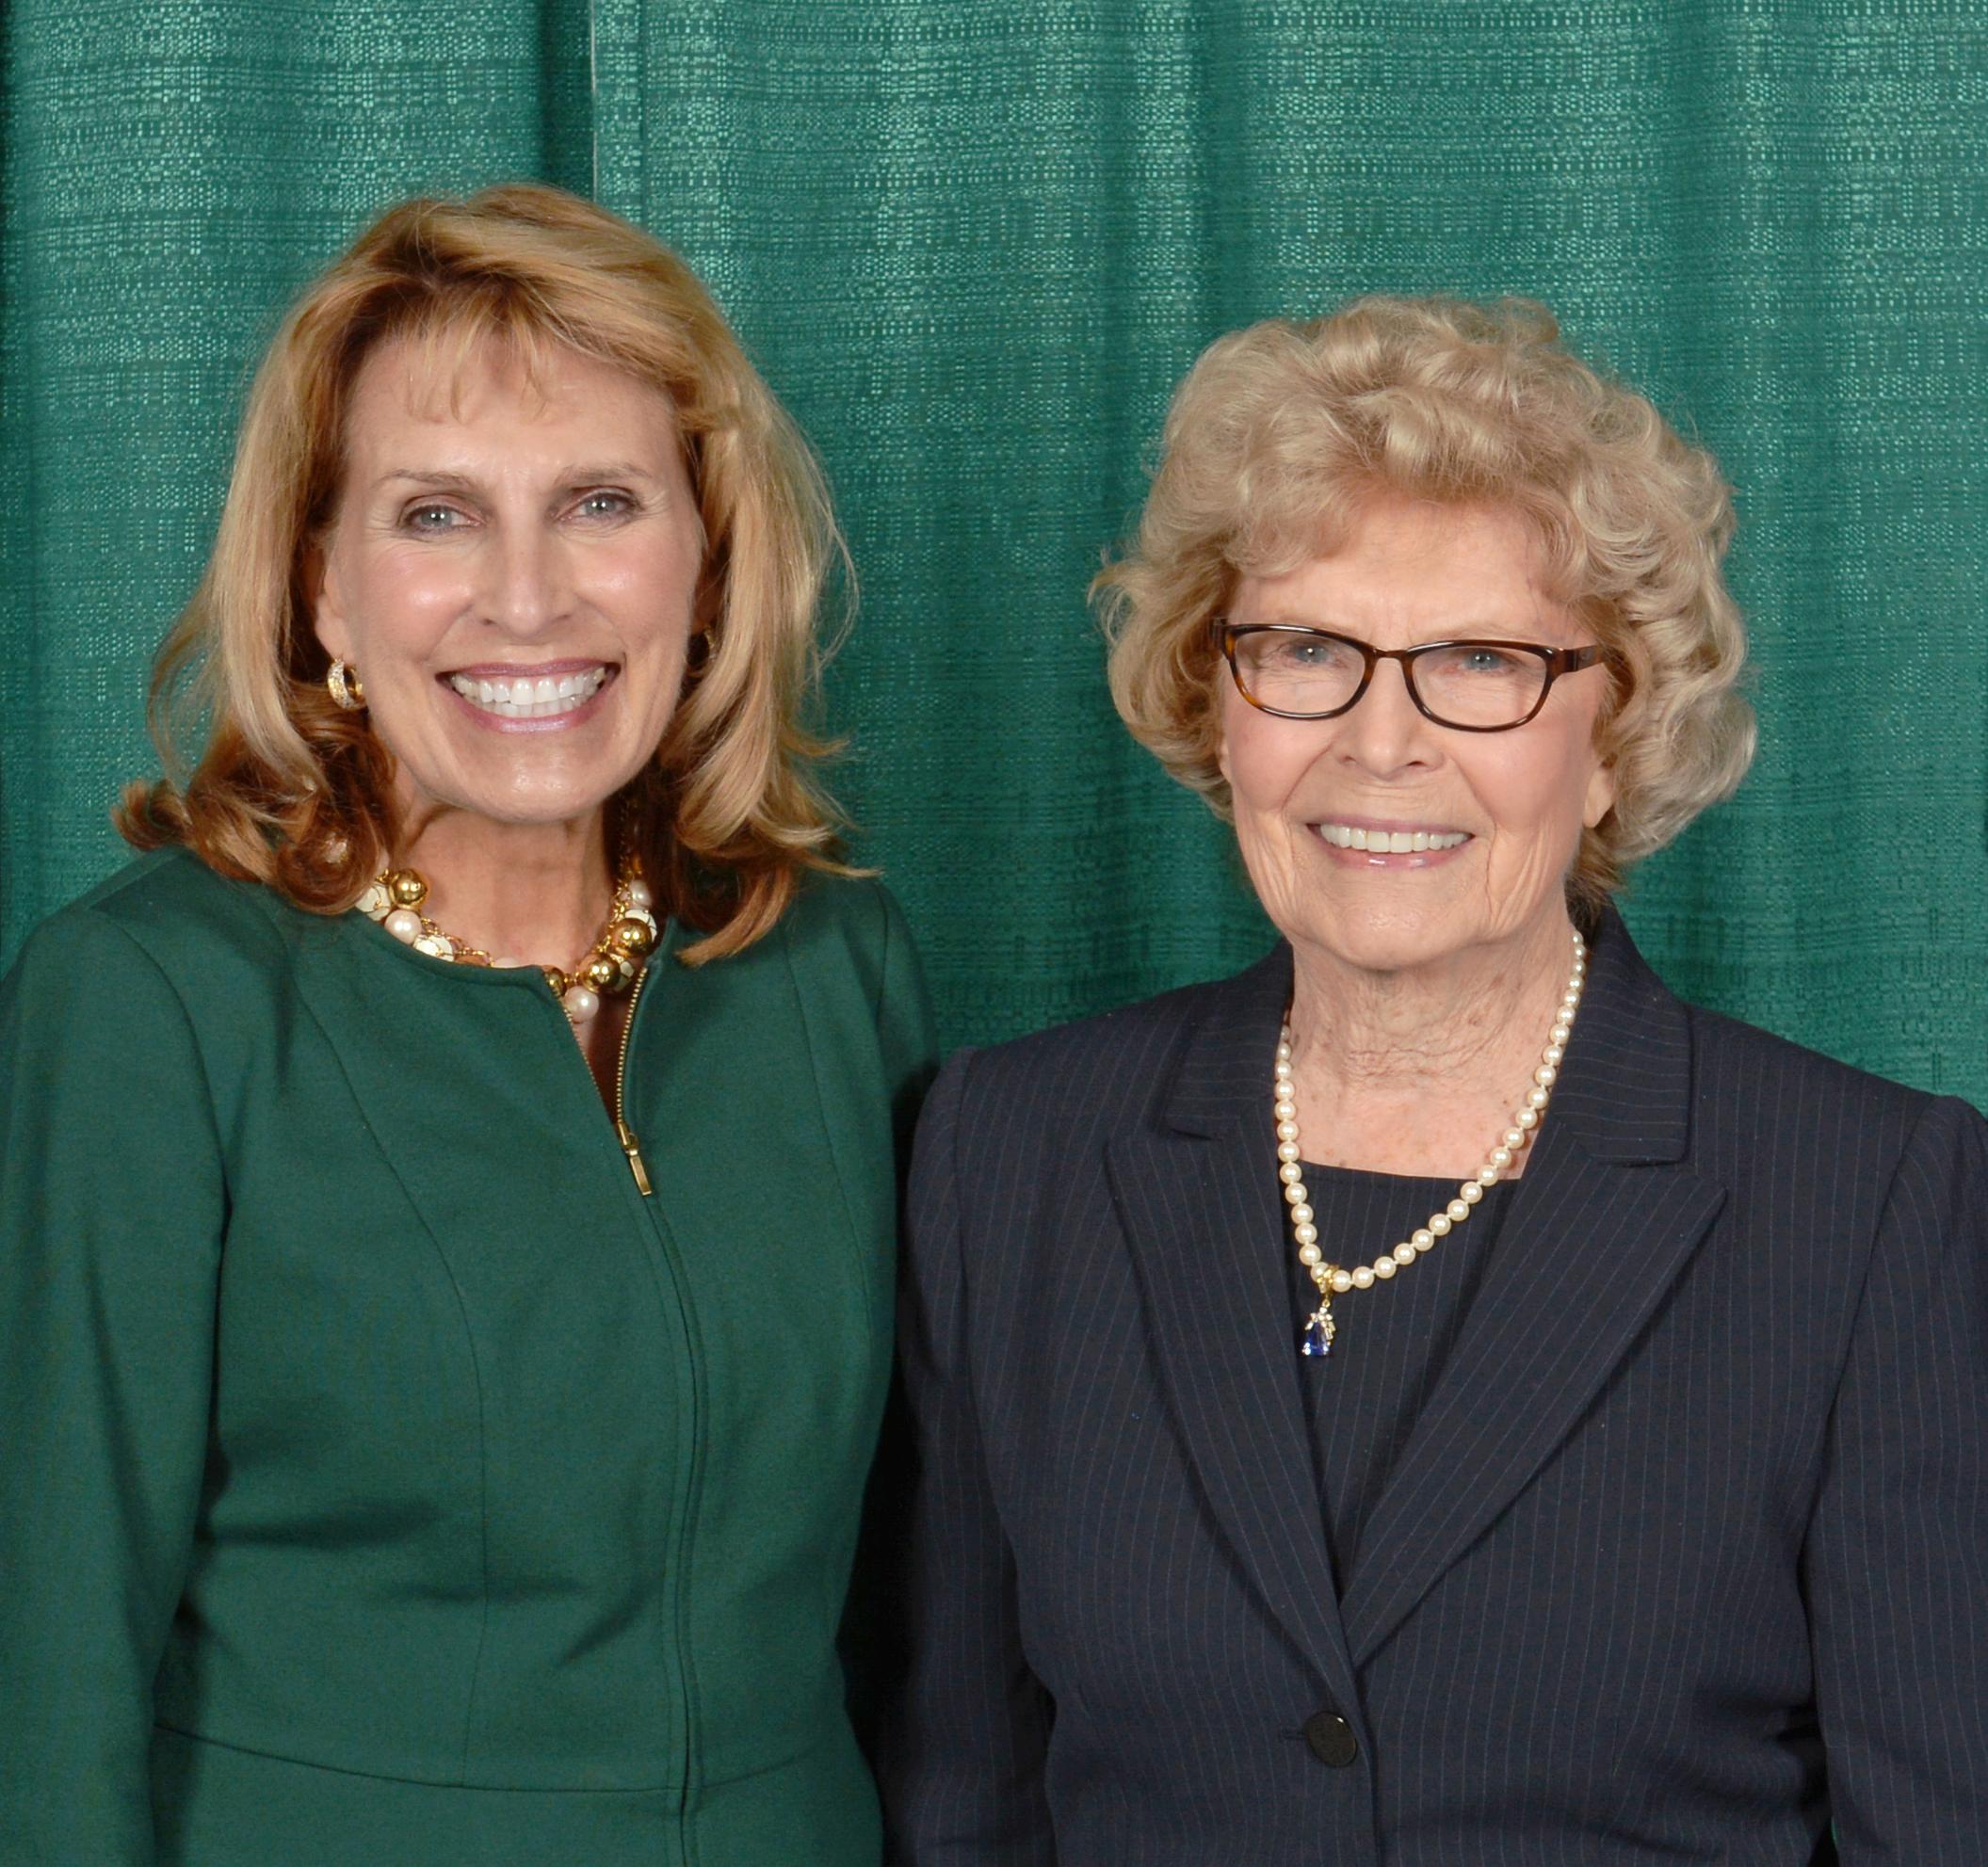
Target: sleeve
{"points": [[906, 1031], [964, 1726], [111, 1215], [1896, 1563]]}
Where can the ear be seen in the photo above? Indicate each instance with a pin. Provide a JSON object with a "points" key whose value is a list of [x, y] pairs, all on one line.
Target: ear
{"points": [[318, 579], [1600, 799]]}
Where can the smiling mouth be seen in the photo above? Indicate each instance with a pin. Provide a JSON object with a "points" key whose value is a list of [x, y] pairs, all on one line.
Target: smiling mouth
{"points": [[1391, 842], [532, 697]]}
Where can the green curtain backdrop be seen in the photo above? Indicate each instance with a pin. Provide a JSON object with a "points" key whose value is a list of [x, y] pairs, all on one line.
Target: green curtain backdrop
{"points": [[974, 243]]}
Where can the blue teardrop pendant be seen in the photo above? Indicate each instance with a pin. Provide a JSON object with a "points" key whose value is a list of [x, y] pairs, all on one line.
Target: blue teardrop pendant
{"points": [[1319, 1332]]}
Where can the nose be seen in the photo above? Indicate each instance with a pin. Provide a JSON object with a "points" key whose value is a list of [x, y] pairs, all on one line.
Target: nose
{"points": [[526, 589], [1385, 734]]}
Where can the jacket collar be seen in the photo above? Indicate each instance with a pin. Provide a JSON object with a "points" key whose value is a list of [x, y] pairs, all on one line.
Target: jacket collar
{"points": [[1603, 1222]]}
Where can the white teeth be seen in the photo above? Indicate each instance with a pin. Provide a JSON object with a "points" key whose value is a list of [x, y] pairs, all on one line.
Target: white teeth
{"points": [[529, 699], [1390, 842]]}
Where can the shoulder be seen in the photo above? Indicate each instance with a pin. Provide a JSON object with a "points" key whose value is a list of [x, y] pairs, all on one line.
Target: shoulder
{"points": [[1749, 1081], [1768, 1114], [1117, 1062], [165, 913], [836, 918]]}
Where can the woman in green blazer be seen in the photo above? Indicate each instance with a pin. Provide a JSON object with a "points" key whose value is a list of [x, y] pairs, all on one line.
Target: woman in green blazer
{"points": [[447, 1184]]}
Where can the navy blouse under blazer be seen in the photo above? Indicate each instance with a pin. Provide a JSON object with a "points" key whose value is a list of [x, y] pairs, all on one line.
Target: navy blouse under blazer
{"points": [[1685, 1560]]}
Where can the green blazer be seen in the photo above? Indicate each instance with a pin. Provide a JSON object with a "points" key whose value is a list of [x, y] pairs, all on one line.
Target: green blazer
{"points": [[385, 1479]]}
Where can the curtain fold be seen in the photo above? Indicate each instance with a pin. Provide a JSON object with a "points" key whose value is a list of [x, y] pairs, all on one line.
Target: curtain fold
{"points": [[974, 245]]}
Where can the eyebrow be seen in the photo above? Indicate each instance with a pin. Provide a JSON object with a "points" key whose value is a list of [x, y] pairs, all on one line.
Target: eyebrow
{"points": [[1459, 632], [455, 481]]}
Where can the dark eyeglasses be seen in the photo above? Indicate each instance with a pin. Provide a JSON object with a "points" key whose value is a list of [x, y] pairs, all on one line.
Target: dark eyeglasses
{"points": [[1474, 687]]}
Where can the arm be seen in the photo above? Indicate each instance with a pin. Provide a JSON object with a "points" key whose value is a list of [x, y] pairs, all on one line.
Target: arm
{"points": [[1896, 1563], [965, 1728], [906, 1032], [111, 1212]]}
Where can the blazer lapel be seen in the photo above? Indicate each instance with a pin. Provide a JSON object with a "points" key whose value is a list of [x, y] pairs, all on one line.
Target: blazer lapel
{"points": [[1601, 1225], [1196, 1191]]}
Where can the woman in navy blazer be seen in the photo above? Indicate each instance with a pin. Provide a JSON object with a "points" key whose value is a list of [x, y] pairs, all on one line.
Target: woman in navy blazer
{"points": [[1435, 1398]]}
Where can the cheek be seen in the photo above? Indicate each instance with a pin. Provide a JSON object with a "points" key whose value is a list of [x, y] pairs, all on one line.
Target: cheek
{"points": [[1262, 767], [403, 604], [1536, 790]]}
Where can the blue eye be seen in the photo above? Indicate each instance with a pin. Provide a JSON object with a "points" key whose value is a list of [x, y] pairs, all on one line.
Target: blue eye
{"points": [[605, 504], [432, 519]]}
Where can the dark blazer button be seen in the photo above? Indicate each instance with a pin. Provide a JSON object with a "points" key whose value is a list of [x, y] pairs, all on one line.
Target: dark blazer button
{"points": [[1332, 1739]]}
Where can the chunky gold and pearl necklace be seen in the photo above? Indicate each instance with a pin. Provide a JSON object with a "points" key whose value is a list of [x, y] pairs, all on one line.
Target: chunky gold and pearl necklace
{"points": [[607, 969], [1335, 1280]]}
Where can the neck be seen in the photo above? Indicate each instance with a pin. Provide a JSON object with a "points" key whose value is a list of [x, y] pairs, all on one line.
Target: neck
{"points": [[532, 893], [1412, 1072]]}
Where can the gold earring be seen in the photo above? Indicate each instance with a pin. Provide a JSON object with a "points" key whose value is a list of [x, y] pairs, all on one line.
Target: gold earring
{"points": [[343, 682]]}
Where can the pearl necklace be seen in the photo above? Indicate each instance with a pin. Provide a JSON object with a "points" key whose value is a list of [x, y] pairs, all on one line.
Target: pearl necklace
{"points": [[608, 967], [1332, 1279]]}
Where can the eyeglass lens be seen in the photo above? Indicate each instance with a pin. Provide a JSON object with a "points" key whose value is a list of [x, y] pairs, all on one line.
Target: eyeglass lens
{"points": [[1467, 684]]}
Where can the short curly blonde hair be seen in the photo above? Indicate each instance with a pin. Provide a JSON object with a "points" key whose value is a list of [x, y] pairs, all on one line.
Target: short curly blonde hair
{"points": [[1279, 433]]}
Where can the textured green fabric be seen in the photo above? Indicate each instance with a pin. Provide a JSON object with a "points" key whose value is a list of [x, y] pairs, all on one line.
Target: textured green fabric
{"points": [[973, 245], [471, 1508]]}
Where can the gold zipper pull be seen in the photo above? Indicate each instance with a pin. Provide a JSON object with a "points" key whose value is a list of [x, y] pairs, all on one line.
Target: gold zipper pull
{"points": [[635, 1157]]}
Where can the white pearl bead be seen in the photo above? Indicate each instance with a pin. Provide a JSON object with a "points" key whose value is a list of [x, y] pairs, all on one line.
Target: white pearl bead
{"points": [[1342, 1282], [640, 893], [1536, 1098], [1553, 1053], [1457, 1210], [404, 925], [1308, 1254], [1545, 1075], [1404, 1254], [1304, 1231], [1362, 1278], [1486, 1175], [1511, 1140], [1287, 1131], [1525, 1118], [1500, 1158], [1302, 1213], [1294, 1194], [1284, 1050], [1423, 1239], [580, 1002], [1438, 1225], [1560, 1034], [1283, 1069], [1383, 1267], [1285, 1111], [1290, 1173], [1469, 1192], [1288, 1151]]}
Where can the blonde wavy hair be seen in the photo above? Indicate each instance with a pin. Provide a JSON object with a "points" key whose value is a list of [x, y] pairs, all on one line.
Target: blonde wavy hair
{"points": [[296, 793], [1279, 433]]}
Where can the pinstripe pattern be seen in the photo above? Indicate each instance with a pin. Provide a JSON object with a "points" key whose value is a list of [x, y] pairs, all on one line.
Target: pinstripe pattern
{"points": [[1686, 1554]]}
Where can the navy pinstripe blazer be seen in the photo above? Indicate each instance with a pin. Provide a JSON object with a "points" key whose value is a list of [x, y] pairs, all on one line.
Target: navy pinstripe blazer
{"points": [[1685, 1560]]}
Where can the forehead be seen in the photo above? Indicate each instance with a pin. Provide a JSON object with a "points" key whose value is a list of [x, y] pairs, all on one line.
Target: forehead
{"points": [[1398, 557], [411, 388]]}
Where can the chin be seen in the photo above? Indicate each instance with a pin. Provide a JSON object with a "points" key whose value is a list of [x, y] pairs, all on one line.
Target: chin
{"points": [[1380, 942]]}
